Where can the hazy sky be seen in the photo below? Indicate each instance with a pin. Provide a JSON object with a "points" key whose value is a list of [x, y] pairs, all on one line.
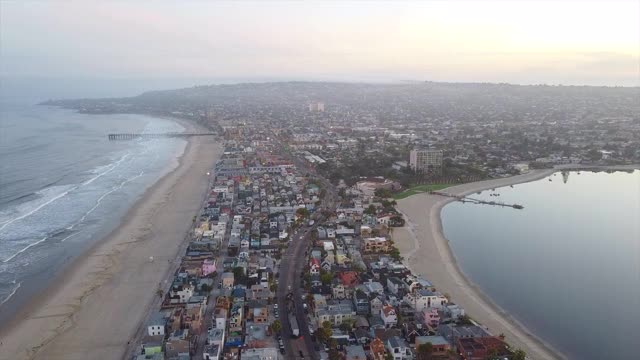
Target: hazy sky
{"points": [[568, 42]]}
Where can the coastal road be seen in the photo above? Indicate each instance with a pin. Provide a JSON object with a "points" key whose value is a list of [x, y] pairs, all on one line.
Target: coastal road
{"points": [[290, 282], [291, 267]]}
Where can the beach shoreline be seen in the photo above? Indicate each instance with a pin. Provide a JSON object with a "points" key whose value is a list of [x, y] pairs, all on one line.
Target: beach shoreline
{"points": [[91, 305], [427, 252]]}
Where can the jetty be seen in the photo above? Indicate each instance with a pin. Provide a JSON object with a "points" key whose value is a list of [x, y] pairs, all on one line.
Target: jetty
{"points": [[465, 199], [134, 136]]}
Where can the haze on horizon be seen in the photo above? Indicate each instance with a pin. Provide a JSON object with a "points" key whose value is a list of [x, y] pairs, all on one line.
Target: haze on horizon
{"points": [[523, 42]]}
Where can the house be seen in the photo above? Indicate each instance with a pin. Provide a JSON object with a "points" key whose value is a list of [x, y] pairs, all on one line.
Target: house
{"points": [[428, 317], [236, 316], [259, 312], [480, 348], [178, 343], [375, 244], [319, 301], [152, 344], [412, 283], [362, 336], [373, 287], [355, 352], [440, 345], [453, 331], [453, 311], [394, 285], [208, 267], [424, 298], [348, 278], [227, 280], [193, 316], [388, 315], [328, 262], [260, 292], [314, 266], [157, 324], [220, 318], [376, 305], [361, 302], [335, 312], [398, 348], [338, 290], [376, 349], [180, 294]]}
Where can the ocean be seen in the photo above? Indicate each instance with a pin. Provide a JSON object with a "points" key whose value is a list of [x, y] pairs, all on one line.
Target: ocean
{"points": [[567, 266], [64, 186]]}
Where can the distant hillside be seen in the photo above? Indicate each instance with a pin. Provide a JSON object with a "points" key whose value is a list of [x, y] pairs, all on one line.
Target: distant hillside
{"points": [[416, 98]]}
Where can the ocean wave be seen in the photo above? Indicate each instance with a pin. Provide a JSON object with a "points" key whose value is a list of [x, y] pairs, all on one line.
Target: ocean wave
{"points": [[46, 197], [59, 232], [13, 292], [99, 200], [25, 249], [50, 195], [110, 168]]}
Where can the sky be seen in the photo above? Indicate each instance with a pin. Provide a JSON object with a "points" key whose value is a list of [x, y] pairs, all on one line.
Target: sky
{"points": [[551, 42]]}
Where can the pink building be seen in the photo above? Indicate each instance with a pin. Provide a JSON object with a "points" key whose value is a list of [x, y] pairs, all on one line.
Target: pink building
{"points": [[208, 267], [429, 317]]}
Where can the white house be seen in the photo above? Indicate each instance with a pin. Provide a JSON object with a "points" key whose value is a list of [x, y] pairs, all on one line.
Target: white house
{"points": [[182, 293], [424, 298], [388, 315], [156, 325], [398, 348]]}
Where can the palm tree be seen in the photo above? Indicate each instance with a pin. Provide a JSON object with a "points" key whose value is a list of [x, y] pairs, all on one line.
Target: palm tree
{"points": [[276, 326]]}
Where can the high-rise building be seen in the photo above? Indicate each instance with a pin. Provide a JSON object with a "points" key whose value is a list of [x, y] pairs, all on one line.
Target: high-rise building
{"points": [[316, 107], [426, 161]]}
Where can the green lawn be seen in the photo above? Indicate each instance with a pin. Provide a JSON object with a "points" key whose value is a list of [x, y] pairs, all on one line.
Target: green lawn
{"points": [[420, 189]]}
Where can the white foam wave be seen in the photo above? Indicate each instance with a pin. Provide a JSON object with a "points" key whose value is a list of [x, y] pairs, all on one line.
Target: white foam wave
{"points": [[13, 292], [115, 188], [70, 236], [25, 249], [37, 208], [109, 168]]}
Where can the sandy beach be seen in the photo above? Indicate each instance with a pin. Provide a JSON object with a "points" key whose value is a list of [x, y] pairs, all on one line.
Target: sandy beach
{"points": [[427, 252], [95, 307]]}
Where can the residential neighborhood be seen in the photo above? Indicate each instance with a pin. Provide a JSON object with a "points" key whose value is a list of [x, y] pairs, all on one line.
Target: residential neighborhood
{"points": [[348, 296]]}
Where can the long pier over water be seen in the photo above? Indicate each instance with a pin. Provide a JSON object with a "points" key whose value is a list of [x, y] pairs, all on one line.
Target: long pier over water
{"points": [[476, 201], [133, 136]]}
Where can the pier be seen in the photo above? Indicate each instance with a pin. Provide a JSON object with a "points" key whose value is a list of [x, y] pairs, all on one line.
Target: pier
{"points": [[134, 136], [465, 199]]}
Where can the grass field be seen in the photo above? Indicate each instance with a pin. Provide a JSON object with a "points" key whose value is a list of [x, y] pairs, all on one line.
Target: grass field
{"points": [[420, 189]]}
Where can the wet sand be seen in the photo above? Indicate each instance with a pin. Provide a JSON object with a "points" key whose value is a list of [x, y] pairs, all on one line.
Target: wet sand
{"points": [[426, 251], [95, 307]]}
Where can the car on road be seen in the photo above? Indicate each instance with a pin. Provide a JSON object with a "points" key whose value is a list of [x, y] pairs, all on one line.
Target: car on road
{"points": [[282, 350], [275, 306], [301, 354]]}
